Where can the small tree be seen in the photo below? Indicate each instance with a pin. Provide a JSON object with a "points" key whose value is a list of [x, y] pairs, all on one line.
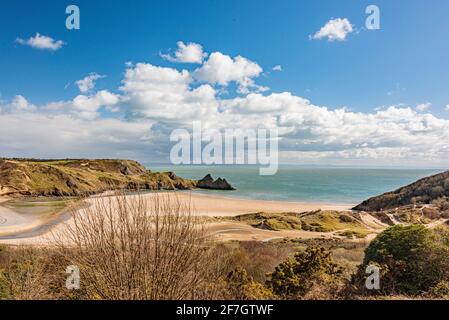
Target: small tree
{"points": [[311, 274]]}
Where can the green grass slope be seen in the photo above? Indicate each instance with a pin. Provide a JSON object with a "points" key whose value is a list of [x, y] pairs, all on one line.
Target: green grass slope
{"points": [[81, 177], [345, 224]]}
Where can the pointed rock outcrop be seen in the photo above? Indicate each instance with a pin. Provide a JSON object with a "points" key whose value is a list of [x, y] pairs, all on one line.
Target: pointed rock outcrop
{"points": [[209, 183]]}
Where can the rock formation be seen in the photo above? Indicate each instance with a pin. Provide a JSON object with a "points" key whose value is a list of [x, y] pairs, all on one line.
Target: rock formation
{"points": [[209, 183]]}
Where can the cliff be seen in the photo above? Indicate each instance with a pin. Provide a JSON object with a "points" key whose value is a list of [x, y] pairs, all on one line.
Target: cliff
{"points": [[424, 191], [32, 177]]}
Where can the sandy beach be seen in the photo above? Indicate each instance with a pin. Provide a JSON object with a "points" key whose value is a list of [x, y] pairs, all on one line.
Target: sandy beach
{"points": [[12, 222], [201, 204], [211, 205]]}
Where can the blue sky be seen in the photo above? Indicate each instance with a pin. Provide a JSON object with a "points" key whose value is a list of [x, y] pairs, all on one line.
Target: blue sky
{"points": [[408, 56], [404, 64]]}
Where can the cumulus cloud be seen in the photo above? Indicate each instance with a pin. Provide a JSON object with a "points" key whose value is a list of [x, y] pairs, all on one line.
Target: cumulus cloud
{"points": [[17, 105], [222, 69], [87, 84], [423, 107], [20, 104], [82, 106], [169, 97], [277, 68], [155, 100], [334, 30], [187, 53], [87, 106], [447, 107], [41, 42], [165, 93]]}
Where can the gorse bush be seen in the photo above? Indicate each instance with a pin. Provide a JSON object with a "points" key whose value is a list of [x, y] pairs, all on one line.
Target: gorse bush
{"points": [[241, 286], [412, 260], [311, 274]]}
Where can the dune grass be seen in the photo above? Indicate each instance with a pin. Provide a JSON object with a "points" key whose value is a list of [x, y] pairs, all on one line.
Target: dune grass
{"points": [[343, 223]]}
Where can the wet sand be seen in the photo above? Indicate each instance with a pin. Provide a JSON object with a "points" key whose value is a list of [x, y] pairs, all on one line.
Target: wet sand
{"points": [[13, 222]]}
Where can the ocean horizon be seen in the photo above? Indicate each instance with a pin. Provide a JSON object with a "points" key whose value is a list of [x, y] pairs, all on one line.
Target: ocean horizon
{"points": [[315, 184]]}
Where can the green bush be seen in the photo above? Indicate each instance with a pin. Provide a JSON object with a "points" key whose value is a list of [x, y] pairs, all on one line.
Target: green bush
{"points": [[311, 274], [241, 286], [412, 259]]}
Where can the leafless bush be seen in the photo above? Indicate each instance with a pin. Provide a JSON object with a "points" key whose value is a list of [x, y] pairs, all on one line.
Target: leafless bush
{"points": [[131, 247]]}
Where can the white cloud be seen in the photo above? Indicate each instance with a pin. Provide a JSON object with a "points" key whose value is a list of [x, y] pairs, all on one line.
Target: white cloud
{"points": [[41, 42], [277, 68], [222, 69], [20, 104], [83, 106], [334, 30], [165, 93], [398, 135], [447, 107], [423, 107], [62, 136], [168, 96], [187, 53], [87, 106], [17, 105], [87, 84], [155, 100]]}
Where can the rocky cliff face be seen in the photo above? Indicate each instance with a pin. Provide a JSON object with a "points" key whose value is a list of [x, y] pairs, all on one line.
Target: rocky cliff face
{"points": [[209, 183]]}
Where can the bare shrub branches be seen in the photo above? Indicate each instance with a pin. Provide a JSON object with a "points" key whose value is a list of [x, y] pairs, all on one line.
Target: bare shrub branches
{"points": [[24, 274], [128, 247]]}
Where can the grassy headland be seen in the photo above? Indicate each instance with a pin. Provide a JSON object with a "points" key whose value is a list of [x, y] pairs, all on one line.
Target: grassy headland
{"points": [[30, 177]]}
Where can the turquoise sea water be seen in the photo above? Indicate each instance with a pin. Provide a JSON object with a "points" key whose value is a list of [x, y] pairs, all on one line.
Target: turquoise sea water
{"points": [[327, 185]]}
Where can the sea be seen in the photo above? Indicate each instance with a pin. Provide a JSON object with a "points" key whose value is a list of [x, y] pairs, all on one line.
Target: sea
{"points": [[331, 185]]}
